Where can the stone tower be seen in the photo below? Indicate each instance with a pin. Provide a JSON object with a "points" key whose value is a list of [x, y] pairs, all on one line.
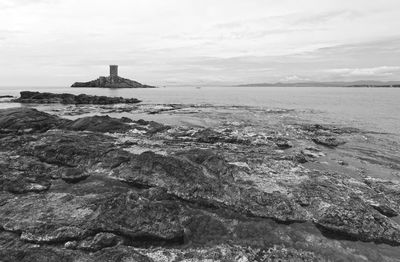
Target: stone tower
{"points": [[113, 70]]}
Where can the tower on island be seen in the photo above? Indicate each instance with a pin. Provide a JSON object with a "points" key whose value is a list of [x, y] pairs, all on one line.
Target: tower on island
{"points": [[112, 81], [113, 70]]}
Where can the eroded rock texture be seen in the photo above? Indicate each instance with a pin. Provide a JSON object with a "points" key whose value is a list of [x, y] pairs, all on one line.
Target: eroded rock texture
{"points": [[81, 190]]}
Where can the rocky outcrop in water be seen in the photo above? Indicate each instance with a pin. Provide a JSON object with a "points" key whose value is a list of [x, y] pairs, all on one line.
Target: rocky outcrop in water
{"points": [[76, 190], [46, 98], [112, 82]]}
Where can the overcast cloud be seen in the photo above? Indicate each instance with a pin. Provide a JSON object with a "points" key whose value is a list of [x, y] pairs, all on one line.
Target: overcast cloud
{"points": [[162, 42]]}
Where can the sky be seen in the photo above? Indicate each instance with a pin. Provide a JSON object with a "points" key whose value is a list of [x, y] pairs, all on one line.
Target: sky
{"points": [[199, 42]]}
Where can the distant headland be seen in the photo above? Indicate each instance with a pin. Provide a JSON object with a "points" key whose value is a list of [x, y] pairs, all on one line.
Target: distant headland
{"points": [[361, 83], [112, 81]]}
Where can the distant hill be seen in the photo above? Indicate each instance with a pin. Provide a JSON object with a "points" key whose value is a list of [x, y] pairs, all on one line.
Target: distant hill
{"points": [[362, 83]]}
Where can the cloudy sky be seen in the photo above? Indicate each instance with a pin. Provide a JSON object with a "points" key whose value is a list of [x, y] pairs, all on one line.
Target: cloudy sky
{"points": [[166, 42]]}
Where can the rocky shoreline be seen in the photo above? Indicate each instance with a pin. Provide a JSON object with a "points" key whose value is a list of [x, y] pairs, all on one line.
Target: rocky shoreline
{"points": [[265, 188]]}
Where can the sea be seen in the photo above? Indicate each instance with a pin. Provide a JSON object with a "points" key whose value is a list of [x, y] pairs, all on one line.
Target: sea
{"points": [[372, 109]]}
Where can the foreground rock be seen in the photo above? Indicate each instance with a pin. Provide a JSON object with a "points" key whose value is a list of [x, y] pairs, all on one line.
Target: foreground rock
{"points": [[79, 191], [45, 98], [30, 120], [27, 120]]}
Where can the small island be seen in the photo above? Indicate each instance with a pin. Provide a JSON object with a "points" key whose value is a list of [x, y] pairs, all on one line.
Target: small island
{"points": [[112, 81]]}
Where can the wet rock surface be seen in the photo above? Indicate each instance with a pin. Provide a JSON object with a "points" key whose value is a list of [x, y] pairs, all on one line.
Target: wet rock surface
{"points": [[101, 188]]}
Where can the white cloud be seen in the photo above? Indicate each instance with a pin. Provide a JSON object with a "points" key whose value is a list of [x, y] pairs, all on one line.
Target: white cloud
{"points": [[294, 78], [371, 71]]}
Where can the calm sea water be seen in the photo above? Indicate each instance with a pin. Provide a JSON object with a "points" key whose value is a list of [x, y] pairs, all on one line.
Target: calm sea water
{"points": [[375, 109]]}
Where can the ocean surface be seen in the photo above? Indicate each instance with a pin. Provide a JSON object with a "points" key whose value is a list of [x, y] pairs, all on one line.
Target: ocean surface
{"points": [[373, 109]]}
